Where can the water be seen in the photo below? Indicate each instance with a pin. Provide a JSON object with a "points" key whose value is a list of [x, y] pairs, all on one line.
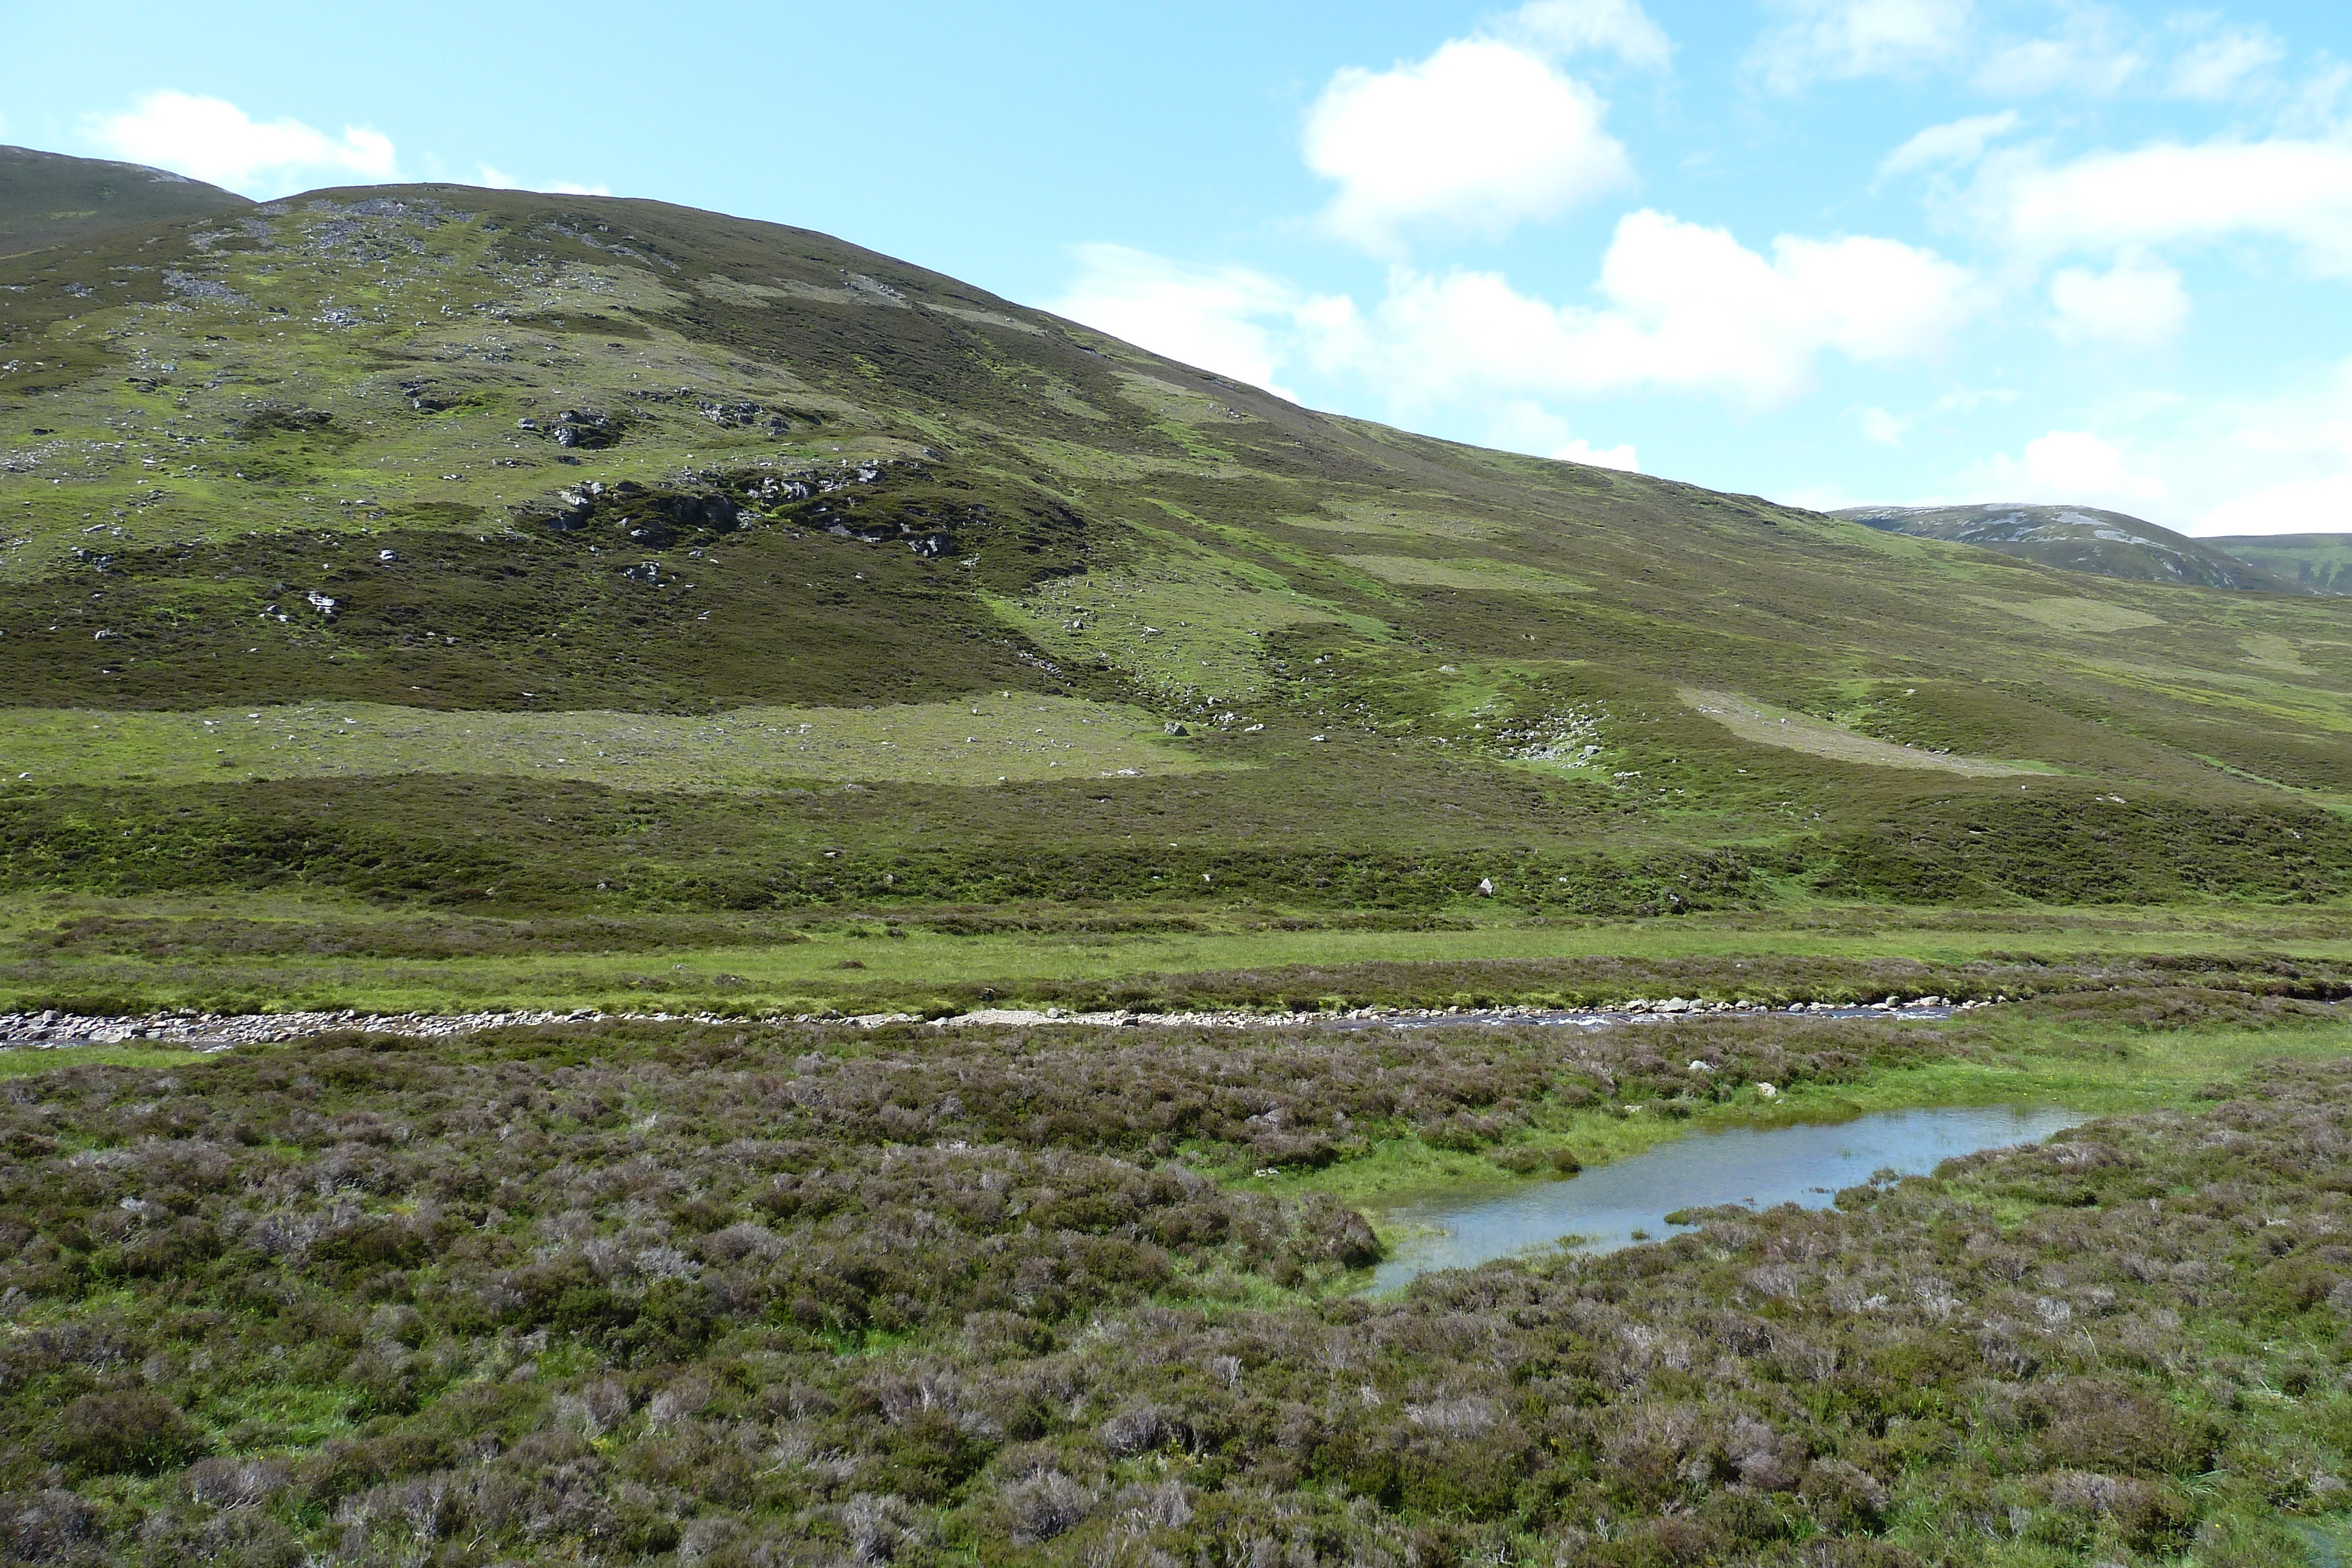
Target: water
{"points": [[1463, 1226]]}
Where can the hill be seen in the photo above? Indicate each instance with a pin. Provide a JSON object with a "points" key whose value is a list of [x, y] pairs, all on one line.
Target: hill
{"points": [[447, 555], [2079, 539], [47, 198], [2317, 563]]}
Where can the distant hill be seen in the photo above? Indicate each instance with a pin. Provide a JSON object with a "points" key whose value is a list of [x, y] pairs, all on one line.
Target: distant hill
{"points": [[2080, 539], [2317, 563], [47, 198]]}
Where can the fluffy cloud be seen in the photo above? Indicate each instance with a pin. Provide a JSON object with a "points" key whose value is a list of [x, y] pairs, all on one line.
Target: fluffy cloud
{"points": [[2279, 466], [2136, 304], [1883, 427], [1523, 425], [1688, 307], [1482, 135], [1961, 141], [1608, 27], [1223, 319], [2090, 54], [2077, 466], [1620, 456], [2217, 66], [2090, 50], [213, 140], [2279, 462], [497, 179], [1818, 40], [2294, 190], [2069, 467]]}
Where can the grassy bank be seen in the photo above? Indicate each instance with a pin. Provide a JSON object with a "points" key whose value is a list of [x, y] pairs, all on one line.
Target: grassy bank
{"points": [[277, 951]]}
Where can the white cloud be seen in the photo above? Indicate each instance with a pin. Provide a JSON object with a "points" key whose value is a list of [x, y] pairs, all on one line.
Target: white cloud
{"points": [[2280, 462], [497, 179], [2279, 466], [2137, 303], [2298, 191], [2073, 467], [1222, 318], [1483, 135], [1837, 40], [1612, 27], [2321, 506], [2088, 55], [1883, 427], [1688, 307], [2217, 66], [1620, 456], [1522, 424], [213, 140], [1960, 143], [2077, 464]]}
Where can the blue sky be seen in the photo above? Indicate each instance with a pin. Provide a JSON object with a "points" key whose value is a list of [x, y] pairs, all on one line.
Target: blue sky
{"points": [[1830, 251]]}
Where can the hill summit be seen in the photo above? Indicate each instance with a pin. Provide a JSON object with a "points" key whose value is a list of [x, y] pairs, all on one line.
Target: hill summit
{"points": [[49, 198], [2080, 539]]}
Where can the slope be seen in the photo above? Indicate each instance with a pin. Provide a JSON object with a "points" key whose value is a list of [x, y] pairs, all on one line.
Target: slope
{"points": [[2318, 563], [2080, 539], [48, 199], [473, 550]]}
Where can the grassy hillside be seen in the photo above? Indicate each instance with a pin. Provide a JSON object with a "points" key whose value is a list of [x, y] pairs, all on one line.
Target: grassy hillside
{"points": [[428, 553], [48, 199], [2322, 563], [2083, 538]]}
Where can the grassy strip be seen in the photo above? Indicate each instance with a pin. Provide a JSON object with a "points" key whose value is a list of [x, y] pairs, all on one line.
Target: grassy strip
{"points": [[979, 740], [102, 955]]}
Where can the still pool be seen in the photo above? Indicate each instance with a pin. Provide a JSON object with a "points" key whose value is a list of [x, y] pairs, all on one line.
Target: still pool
{"points": [[1463, 1226]]}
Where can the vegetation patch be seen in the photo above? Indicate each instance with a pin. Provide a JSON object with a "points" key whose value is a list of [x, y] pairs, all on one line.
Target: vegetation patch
{"points": [[1752, 722], [1469, 573], [982, 740]]}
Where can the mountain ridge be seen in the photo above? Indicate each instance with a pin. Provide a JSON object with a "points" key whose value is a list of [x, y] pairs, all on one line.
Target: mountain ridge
{"points": [[2316, 562], [2080, 539], [48, 199]]}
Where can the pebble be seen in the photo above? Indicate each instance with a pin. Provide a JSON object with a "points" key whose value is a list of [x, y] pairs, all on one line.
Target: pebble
{"points": [[215, 1032]]}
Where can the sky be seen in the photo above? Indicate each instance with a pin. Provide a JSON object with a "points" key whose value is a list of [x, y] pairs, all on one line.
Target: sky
{"points": [[1834, 252]]}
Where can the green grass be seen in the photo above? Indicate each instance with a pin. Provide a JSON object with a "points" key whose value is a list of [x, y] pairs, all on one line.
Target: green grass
{"points": [[323, 952], [1475, 575], [982, 740]]}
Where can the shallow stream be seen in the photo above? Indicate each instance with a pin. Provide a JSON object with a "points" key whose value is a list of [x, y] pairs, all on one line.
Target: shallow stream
{"points": [[1461, 1226]]}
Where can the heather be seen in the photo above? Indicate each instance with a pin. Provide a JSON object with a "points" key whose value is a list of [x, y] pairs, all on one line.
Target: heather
{"points": [[793, 1295]]}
